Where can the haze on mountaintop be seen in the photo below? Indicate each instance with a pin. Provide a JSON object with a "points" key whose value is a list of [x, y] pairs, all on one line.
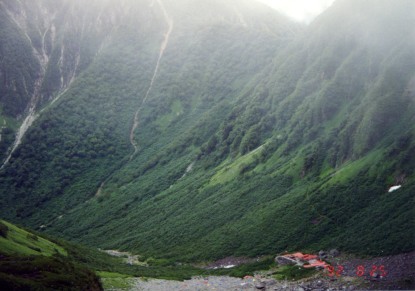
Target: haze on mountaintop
{"points": [[299, 10]]}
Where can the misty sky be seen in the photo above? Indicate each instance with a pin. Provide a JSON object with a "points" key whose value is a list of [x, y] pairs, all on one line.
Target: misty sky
{"points": [[300, 10]]}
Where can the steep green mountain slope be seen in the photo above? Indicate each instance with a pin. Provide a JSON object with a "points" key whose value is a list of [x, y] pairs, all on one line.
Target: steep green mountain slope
{"points": [[44, 47], [252, 135], [31, 262], [18, 241]]}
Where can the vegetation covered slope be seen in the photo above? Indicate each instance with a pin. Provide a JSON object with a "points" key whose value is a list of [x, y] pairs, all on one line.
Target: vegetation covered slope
{"points": [[257, 136], [31, 262], [44, 47]]}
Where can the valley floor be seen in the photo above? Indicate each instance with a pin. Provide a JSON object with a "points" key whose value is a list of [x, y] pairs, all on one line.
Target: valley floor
{"points": [[399, 274], [230, 283]]}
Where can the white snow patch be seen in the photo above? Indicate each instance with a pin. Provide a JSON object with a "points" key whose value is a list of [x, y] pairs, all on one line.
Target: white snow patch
{"points": [[228, 266], [394, 188]]}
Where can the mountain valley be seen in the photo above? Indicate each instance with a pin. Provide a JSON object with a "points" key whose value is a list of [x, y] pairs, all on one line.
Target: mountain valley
{"points": [[199, 130]]}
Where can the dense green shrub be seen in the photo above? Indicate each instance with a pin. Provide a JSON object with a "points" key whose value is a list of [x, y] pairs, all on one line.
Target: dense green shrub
{"points": [[3, 229], [45, 273]]}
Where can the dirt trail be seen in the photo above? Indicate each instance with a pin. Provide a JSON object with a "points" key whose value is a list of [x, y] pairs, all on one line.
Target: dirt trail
{"points": [[162, 49]]}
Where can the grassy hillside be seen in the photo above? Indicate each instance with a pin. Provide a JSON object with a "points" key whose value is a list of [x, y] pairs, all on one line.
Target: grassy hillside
{"points": [[257, 137], [31, 262], [19, 241]]}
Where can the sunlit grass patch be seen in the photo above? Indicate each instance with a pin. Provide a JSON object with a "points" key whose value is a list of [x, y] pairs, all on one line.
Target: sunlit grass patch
{"points": [[112, 280], [19, 241]]}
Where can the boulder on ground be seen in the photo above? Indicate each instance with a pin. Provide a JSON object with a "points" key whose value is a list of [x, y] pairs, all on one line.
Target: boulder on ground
{"points": [[260, 285], [270, 282], [322, 255], [281, 260], [334, 253]]}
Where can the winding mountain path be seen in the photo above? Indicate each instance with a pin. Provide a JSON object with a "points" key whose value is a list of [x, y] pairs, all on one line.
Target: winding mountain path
{"points": [[163, 46]]}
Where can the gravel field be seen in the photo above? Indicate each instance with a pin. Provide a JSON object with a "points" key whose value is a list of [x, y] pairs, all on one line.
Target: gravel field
{"points": [[230, 283]]}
